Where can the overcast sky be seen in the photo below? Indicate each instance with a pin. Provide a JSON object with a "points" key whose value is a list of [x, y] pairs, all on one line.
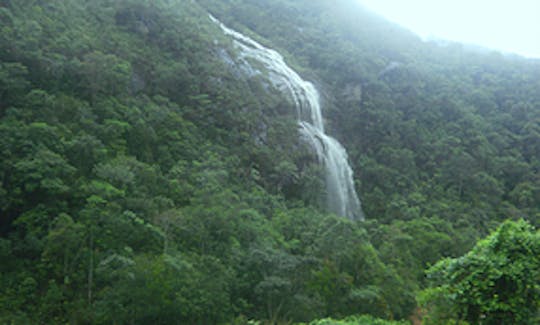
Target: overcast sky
{"points": [[507, 25]]}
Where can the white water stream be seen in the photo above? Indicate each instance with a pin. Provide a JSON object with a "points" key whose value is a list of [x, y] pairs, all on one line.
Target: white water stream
{"points": [[341, 194]]}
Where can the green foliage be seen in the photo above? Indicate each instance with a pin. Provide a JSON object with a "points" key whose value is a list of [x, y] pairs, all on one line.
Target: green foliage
{"points": [[497, 282], [146, 179], [418, 119], [163, 290], [356, 320]]}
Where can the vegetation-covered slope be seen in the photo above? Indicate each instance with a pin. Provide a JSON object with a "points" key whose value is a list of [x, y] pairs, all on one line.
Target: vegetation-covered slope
{"points": [[431, 130], [145, 179]]}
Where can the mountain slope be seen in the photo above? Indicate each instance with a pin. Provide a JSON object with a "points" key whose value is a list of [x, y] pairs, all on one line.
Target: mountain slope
{"points": [[146, 178], [406, 109]]}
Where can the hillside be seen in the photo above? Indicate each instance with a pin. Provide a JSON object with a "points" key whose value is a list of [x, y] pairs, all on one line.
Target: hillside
{"points": [[147, 178]]}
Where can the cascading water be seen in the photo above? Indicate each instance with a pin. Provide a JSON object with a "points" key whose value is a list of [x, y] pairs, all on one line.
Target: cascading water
{"points": [[341, 195]]}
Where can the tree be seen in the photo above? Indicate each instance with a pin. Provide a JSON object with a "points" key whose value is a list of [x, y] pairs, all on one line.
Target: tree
{"points": [[104, 73], [12, 83], [497, 282]]}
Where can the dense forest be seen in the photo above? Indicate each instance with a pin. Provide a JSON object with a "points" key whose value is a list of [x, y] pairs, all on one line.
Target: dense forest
{"points": [[146, 178]]}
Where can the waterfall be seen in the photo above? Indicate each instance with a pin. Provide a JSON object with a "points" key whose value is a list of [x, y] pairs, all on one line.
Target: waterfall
{"points": [[341, 195]]}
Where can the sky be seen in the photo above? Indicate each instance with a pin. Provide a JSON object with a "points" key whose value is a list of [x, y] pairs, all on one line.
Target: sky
{"points": [[506, 25]]}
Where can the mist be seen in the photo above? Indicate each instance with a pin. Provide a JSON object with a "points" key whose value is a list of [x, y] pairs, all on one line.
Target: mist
{"points": [[507, 26]]}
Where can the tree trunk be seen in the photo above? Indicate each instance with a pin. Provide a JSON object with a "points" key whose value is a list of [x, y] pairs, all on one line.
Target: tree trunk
{"points": [[91, 266]]}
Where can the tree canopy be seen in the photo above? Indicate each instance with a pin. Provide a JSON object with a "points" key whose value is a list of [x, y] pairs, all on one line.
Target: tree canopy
{"points": [[147, 178], [497, 282]]}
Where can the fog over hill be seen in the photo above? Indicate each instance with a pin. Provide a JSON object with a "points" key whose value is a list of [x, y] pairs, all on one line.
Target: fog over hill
{"points": [[160, 168]]}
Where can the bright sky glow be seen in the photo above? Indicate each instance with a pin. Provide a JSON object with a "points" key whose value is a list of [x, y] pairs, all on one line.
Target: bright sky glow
{"points": [[506, 25]]}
